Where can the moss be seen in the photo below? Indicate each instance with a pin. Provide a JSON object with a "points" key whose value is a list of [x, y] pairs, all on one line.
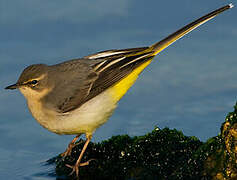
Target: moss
{"points": [[152, 156], [161, 154]]}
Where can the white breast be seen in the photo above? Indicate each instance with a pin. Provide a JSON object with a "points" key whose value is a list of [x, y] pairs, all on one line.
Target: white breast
{"points": [[86, 119]]}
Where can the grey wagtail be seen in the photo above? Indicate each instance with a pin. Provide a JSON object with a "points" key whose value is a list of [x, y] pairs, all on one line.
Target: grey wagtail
{"points": [[79, 95]]}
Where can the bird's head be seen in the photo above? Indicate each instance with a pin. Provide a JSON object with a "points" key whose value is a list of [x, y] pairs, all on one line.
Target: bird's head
{"points": [[33, 81]]}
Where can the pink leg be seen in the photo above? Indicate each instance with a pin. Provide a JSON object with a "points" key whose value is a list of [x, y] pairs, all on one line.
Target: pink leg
{"points": [[70, 146], [75, 168]]}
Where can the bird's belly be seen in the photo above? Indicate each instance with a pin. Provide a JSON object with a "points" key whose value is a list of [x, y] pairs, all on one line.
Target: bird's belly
{"points": [[87, 118]]}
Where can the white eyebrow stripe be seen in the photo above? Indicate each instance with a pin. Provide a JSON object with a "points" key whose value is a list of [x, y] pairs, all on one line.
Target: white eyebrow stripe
{"points": [[111, 63]]}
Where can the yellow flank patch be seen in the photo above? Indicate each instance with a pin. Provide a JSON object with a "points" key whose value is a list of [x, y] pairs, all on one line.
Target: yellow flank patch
{"points": [[119, 89]]}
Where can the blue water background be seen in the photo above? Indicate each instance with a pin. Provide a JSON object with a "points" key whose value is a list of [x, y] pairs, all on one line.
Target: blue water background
{"points": [[191, 86]]}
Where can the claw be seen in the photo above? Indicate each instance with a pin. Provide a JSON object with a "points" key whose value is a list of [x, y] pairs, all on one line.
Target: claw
{"points": [[75, 168]]}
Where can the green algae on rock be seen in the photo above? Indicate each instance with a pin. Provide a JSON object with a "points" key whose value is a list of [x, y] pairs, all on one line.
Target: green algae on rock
{"points": [[161, 154], [152, 156]]}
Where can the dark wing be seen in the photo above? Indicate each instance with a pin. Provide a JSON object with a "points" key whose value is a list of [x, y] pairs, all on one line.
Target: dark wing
{"points": [[81, 80], [114, 65], [73, 82]]}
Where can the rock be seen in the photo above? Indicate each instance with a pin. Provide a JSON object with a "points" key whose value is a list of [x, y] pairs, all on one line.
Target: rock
{"points": [[161, 154]]}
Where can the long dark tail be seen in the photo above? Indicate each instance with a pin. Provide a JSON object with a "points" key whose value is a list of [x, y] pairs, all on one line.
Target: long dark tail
{"points": [[161, 45]]}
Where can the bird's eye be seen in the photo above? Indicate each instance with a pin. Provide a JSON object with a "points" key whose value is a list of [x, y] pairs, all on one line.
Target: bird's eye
{"points": [[34, 82]]}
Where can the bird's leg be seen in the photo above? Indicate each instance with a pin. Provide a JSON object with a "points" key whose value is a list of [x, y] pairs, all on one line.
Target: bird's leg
{"points": [[70, 146], [75, 168]]}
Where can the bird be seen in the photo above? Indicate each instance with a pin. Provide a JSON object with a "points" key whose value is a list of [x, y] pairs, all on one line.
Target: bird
{"points": [[77, 96]]}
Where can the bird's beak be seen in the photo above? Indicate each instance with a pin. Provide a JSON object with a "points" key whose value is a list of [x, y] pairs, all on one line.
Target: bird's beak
{"points": [[14, 86]]}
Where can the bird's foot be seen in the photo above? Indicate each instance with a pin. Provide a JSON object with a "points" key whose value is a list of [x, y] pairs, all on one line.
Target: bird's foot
{"points": [[68, 151], [75, 168]]}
